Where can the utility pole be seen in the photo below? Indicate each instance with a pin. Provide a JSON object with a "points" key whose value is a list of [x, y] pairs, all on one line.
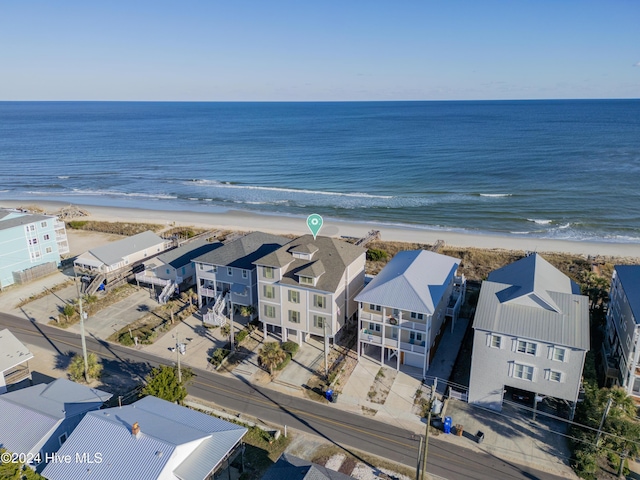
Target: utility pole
{"points": [[419, 459], [231, 334], [604, 417], [178, 354], [326, 349], [426, 446], [82, 337]]}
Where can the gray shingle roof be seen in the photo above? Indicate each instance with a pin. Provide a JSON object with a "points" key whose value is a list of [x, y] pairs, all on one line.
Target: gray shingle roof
{"points": [[289, 467], [114, 252], [166, 429], [23, 219], [12, 351], [413, 280], [331, 255], [629, 276], [181, 256], [532, 299], [243, 251], [29, 415]]}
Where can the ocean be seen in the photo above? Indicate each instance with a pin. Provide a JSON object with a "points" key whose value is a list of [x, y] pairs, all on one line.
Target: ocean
{"points": [[562, 169]]}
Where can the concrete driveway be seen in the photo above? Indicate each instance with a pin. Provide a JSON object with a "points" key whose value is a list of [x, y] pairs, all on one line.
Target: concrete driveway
{"points": [[309, 358]]}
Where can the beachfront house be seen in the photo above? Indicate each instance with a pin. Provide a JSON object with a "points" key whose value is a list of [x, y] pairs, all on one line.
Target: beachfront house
{"points": [[290, 467], [14, 360], [403, 310], [38, 420], [307, 287], [226, 277], [151, 439], [174, 270], [30, 246], [531, 336], [621, 349]]}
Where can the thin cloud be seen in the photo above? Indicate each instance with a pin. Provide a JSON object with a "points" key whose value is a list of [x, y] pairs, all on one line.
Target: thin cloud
{"points": [[637, 64]]}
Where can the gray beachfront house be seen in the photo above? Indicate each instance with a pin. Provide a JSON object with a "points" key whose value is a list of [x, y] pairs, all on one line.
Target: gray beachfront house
{"points": [[621, 349], [402, 311], [531, 334], [38, 420], [226, 277], [307, 287], [14, 360]]}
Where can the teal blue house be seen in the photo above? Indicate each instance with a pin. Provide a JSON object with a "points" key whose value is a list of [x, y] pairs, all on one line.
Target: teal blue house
{"points": [[30, 246]]}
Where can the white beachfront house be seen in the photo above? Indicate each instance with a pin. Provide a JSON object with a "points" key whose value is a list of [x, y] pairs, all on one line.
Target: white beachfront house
{"points": [[308, 286], [402, 311]]}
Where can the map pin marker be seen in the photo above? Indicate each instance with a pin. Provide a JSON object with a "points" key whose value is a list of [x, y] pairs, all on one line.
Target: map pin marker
{"points": [[314, 222]]}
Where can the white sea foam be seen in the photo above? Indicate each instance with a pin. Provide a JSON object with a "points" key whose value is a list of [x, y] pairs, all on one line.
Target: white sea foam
{"points": [[80, 192], [539, 221], [63, 177], [496, 194]]}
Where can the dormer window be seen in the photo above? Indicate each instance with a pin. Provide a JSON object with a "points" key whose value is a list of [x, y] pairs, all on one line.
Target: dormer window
{"points": [[306, 280]]}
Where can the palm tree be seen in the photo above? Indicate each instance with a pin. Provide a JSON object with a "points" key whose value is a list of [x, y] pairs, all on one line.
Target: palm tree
{"points": [[271, 355], [76, 367], [68, 311], [247, 311]]}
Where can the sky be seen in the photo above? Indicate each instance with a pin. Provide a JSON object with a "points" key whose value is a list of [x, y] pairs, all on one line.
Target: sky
{"points": [[343, 50]]}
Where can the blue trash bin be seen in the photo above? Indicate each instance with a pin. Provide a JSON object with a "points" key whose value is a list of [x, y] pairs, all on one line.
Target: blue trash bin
{"points": [[447, 424], [329, 395]]}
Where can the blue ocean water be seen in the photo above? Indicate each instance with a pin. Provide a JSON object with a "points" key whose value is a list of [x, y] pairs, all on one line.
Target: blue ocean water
{"points": [[554, 169]]}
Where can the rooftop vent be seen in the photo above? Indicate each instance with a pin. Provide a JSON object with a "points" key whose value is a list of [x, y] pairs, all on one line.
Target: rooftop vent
{"points": [[135, 429]]}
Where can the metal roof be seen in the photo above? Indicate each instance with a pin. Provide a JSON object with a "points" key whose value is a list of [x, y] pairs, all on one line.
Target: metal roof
{"points": [[22, 219], [190, 443], [330, 258], [530, 307], [12, 351], [114, 252], [243, 251], [28, 416], [289, 467], [629, 276], [414, 280], [183, 255]]}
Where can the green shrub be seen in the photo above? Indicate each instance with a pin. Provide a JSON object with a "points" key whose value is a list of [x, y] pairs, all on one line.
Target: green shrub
{"points": [[376, 254], [125, 339], [291, 348], [242, 334], [76, 224], [219, 354], [285, 362]]}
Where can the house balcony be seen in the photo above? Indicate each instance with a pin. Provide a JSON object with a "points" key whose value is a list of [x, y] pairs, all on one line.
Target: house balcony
{"points": [[417, 347], [610, 363], [63, 246], [375, 338], [58, 225], [207, 292], [18, 374]]}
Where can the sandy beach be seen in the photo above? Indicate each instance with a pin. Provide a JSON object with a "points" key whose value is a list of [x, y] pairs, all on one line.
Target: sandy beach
{"points": [[240, 220]]}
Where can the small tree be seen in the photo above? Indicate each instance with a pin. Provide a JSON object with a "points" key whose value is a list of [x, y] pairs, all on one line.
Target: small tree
{"points": [[163, 383], [68, 311], [225, 330], [271, 355], [247, 311], [17, 470], [76, 368]]}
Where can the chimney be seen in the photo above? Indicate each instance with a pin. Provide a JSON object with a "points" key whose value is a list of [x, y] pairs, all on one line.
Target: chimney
{"points": [[135, 429]]}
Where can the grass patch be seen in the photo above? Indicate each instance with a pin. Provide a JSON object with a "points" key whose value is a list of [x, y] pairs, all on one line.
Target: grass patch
{"points": [[44, 293], [116, 228]]}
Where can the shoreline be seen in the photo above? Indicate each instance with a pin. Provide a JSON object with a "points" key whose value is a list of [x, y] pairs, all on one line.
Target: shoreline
{"points": [[273, 223]]}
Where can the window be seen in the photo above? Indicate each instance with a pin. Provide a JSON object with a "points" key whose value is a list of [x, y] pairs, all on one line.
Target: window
{"points": [[214, 269], [418, 316], [267, 272], [529, 348], [168, 272], [184, 270], [495, 341], [43, 224], [555, 376], [415, 336], [245, 273], [49, 249], [46, 237], [32, 228], [294, 296], [33, 241], [320, 301], [374, 326], [318, 321], [294, 316], [270, 311], [559, 354], [524, 372], [62, 438], [306, 280], [200, 266], [269, 291], [375, 308], [229, 271]]}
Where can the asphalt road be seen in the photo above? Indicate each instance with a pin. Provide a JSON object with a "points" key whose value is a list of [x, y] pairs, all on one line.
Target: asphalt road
{"points": [[346, 430]]}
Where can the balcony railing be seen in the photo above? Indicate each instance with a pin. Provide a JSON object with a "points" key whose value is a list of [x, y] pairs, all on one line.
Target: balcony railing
{"points": [[375, 338], [411, 347], [207, 292]]}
